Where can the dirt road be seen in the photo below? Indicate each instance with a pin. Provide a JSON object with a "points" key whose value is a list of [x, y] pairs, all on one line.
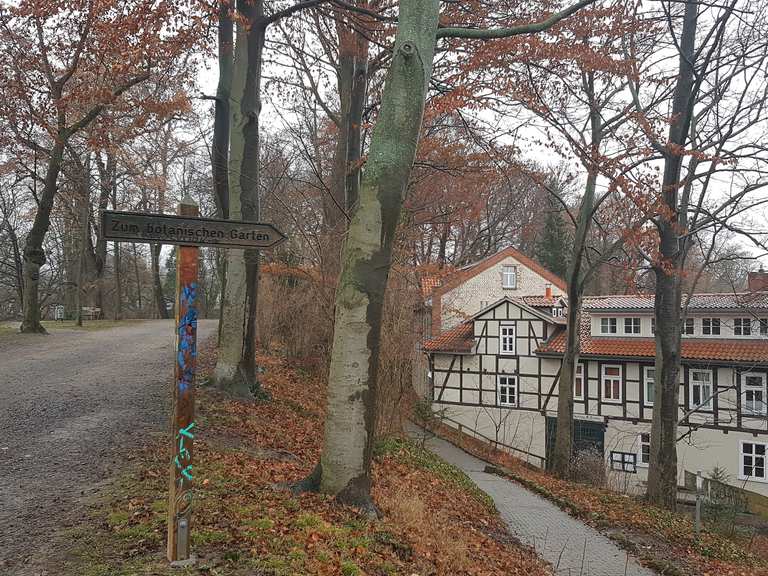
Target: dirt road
{"points": [[70, 404]]}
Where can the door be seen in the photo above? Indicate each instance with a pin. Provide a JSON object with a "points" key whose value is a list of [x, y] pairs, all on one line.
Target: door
{"points": [[586, 435]]}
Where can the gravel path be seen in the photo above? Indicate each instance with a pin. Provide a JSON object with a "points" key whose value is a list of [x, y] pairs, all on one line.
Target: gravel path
{"points": [[70, 403], [572, 547]]}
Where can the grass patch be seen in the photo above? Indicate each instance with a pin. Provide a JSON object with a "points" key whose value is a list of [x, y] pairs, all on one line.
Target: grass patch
{"points": [[411, 453]]}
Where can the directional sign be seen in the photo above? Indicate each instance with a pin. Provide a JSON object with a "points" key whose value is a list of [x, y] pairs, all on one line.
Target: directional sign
{"points": [[188, 231]]}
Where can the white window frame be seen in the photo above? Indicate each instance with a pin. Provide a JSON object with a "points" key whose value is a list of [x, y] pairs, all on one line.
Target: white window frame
{"points": [[708, 405], [603, 377], [640, 444], [710, 330], [764, 457], [623, 461], [762, 326], [509, 272], [763, 389], [502, 338], [606, 322], [688, 322], [634, 322], [648, 399], [511, 383], [583, 377], [742, 327]]}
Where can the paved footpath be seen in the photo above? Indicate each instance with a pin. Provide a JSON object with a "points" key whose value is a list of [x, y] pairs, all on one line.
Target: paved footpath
{"points": [[572, 547]]}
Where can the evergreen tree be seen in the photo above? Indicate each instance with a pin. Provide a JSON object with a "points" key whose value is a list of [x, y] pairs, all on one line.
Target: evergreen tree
{"points": [[553, 245]]}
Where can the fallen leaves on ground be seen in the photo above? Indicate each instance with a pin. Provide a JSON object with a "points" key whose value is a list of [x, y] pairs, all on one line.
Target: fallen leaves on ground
{"points": [[434, 520]]}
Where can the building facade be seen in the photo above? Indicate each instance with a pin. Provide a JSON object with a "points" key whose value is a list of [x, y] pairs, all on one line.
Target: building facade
{"points": [[496, 373]]}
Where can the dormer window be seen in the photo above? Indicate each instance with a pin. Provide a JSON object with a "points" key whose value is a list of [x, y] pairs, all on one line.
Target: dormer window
{"points": [[687, 329], [631, 325], [607, 325], [742, 326], [509, 277]]}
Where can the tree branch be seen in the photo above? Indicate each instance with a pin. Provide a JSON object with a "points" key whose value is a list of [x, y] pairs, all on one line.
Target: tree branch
{"points": [[481, 34]]}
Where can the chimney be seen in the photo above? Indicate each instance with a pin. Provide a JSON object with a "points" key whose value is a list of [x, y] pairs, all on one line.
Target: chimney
{"points": [[548, 289], [757, 281]]}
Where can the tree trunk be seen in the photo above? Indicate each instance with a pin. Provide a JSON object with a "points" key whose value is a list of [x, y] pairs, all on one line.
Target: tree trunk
{"points": [[227, 373], [563, 451], [82, 245], [118, 272], [250, 173], [662, 469], [221, 129], [34, 254], [349, 427], [157, 283]]}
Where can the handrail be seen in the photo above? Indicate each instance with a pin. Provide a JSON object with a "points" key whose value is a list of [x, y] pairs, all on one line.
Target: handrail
{"points": [[496, 443]]}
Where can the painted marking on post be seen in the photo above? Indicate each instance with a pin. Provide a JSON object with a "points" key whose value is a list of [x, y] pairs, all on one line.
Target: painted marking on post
{"points": [[181, 476], [187, 231]]}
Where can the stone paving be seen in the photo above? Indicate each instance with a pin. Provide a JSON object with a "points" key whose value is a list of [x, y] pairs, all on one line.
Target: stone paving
{"points": [[572, 547]]}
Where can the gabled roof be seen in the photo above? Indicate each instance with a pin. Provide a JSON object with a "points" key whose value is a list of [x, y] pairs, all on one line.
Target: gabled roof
{"points": [[705, 349], [520, 304], [444, 283], [459, 340], [700, 302]]}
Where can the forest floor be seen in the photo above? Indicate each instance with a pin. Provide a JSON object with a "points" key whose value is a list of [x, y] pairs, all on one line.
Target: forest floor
{"points": [[434, 520], [661, 540]]}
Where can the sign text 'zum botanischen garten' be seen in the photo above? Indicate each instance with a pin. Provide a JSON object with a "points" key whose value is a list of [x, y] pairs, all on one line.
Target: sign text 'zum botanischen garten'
{"points": [[169, 229]]}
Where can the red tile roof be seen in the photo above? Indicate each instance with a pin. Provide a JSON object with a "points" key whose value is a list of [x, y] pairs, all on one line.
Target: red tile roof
{"points": [[543, 301], [459, 339], [711, 349], [644, 302]]}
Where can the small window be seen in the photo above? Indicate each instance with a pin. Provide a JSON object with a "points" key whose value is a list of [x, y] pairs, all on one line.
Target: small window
{"points": [[742, 326], [509, 276], [578, 382], [753, 461], [710, 326], [753, 391], [631, 325], [624, 461], [763, 326], [608, 325], [649, 378], [507, 390], [688, 327], [653, 326], [507, 336], [611, 383], [701, 389], [644, 454]]}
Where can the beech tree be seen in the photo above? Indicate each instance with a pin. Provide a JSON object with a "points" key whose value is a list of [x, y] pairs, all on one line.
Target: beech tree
{"points": [[344, 468]]}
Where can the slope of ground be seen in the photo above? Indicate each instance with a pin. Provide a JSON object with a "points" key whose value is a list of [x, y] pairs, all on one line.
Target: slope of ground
{"points": [[434, 520]]}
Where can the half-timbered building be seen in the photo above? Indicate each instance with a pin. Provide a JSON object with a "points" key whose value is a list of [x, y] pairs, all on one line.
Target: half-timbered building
{"points": [[496, 375]]}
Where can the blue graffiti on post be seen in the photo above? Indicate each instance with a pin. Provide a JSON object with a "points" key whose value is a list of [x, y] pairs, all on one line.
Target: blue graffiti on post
{"points": [[187, 351]]}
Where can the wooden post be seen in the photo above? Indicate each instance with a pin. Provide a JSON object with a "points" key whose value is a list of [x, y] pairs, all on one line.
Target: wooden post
{"points": [[183, 414]]}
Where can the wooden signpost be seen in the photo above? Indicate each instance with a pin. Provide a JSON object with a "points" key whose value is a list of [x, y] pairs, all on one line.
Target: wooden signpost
{"points": [[188, 232]]}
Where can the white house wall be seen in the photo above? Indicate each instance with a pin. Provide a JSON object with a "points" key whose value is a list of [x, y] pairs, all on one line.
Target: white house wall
{"points": [[465, 389]]}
